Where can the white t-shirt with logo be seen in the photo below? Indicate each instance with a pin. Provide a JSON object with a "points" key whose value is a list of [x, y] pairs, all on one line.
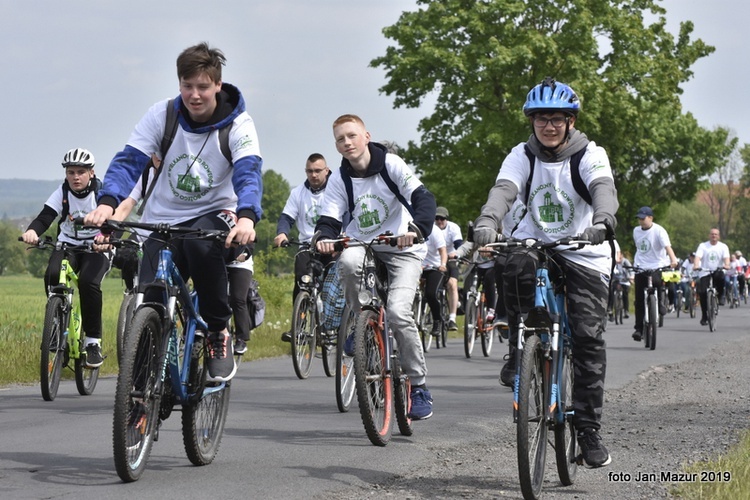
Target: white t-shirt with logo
{"points": [[711, 256], [434, 243], [304, 207], [451, 234], [376, 208], [554, 209], [77, 208], [196, 177], [650, 247]]}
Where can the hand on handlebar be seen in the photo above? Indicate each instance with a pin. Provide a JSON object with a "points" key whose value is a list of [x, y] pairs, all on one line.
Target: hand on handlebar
{"points": [[485, 235], [596, 234]]}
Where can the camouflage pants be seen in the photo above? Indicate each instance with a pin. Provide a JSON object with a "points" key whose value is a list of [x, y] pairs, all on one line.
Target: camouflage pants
{"points": [[587, 293]]}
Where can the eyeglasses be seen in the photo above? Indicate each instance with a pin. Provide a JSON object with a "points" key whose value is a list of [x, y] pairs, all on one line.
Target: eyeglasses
{"points": [[440, 218], [556, 121]]}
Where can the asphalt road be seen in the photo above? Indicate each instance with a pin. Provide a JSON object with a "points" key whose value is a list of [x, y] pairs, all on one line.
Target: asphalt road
{"points": [[285, 438]]}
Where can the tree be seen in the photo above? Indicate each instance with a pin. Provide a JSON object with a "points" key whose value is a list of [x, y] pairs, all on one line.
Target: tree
{"points": [[12, 256], [275, 193], [480, 58]]}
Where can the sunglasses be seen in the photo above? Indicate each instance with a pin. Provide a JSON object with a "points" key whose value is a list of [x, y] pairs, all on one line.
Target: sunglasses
{"points": [[440, 218]]}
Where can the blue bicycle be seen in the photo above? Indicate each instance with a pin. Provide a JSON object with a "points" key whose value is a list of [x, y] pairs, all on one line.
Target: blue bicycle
{"points": [[164, 364], [543, 386]]}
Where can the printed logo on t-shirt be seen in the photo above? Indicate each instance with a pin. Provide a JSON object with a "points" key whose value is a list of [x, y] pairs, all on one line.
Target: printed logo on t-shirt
{"points": [[191, 185], [551, 217], [312, 215], [644, 245], [372, 214]]}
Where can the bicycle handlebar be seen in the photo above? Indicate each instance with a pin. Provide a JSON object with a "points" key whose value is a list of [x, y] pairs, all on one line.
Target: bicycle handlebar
{"points": [[48, 243], [576, 241], [162, 228]]}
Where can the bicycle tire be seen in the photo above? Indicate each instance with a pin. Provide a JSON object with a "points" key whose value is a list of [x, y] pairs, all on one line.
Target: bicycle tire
{"points": [[691, 302], [470, 326], [566, 445], [426, 327], [679, 303], [204, 418], [424, 336], [487, 338], [86, 378], [713, 307], [53, 348], [303, 334], [328, 353], [136, 411], [531, 428], [619, 308], [402, 398], [123, 321], [662, 299], [444, 322], [374, 389], [344, 364], [653, 313]]}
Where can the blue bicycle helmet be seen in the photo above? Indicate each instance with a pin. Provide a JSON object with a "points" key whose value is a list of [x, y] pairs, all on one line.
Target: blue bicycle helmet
{"points": [[551, 96]]}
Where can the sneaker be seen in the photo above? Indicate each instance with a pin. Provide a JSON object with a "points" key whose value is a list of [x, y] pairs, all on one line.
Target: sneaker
{"points": [[490, 317], [611, 317], [670, 309], [349, 345], [627, 316], [221, 365], [437, 326], [593, 452], [508, 371], [421, 404], [637, 335], [704, 322], [286, 337], [94, 358], [452, 326], [240, 347], [721, 301]]}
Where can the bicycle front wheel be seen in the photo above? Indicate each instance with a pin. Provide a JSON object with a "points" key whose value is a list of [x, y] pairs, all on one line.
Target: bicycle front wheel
{"points": [[86, 378], [328, 352], [374, 389], [487, 338], [566, 446], [619, 307], [303, 334], [470, 326], [203, 418], [402, 399], [679, 303], [52, 359], [344, 364], [653, 319], [691, 302], [713, 308], [136, 414], [123, 320], [531, 427]]}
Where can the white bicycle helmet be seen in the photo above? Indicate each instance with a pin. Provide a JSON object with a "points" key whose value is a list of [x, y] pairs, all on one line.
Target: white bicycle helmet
{"points": [[79, 157]]}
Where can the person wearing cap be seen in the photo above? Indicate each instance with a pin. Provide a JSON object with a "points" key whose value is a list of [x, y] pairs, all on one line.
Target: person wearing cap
{"points": [[453, 240], [711, 259], [653, 250]]}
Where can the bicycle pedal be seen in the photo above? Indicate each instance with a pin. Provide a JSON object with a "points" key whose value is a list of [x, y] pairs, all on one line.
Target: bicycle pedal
{"points": [[578, 460]]}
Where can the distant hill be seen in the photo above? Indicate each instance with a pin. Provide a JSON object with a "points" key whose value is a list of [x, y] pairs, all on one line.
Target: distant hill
{"points": [[22, 198]]}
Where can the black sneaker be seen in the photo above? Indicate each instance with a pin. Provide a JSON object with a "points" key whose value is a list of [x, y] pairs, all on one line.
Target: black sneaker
{"points": [[94, 358], [704, 322], [508, 371], [221, 365], [637, 335], [592, 450], [286, 337], [436, 327], [452, 326], [240, 347]]}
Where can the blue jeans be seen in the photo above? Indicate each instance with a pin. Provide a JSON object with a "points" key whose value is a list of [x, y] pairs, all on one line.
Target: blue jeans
{"points": [[404, 270]]}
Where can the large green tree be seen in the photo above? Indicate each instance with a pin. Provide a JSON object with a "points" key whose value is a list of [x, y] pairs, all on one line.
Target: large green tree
{"points": [[478, 58]]}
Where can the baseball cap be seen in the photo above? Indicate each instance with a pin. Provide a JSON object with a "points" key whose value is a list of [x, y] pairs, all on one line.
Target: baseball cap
{"points": [[644, 212], [441, 212]]}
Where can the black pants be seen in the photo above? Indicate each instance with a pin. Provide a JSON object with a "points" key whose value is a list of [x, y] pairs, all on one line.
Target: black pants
{"points": [[91, 268], [434, 280], [641, 281], [304, 263], [201, 260], [485, 276], [718, 276], [239, 284]]}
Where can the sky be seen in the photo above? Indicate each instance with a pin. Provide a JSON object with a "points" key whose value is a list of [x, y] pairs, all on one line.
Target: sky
{"points": [[81, 74]]}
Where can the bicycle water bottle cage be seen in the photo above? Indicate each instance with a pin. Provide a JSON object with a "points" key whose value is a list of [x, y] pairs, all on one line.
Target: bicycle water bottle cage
{"points": [[538, 318]]}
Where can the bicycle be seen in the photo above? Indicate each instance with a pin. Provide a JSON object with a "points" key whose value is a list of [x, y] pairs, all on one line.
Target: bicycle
{"points": [[382, 388], [62, 338], [475, 314], [164, 364], [712, 301], [543, 384], [307, 322], [125, 315], [618, 302], [423, 315], [345, 373], [653, 299], [734, 289]]}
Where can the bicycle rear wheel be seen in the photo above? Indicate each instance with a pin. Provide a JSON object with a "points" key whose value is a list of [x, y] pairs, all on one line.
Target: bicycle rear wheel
{"points": [[374, 389], [86, 378], [53, 348], [487, 337], [123, 320], [136, 410], [344, 364], [203, 417], [402, 399], [679, 303], [470, 326], [303, 334], [619, 307], [566, 446], [444, 316], [531, 427], [653, 318], [423, 321]]}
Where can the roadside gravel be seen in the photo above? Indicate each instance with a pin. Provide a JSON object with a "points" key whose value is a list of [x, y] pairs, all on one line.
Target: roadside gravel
{"points": [[669, 416]]}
